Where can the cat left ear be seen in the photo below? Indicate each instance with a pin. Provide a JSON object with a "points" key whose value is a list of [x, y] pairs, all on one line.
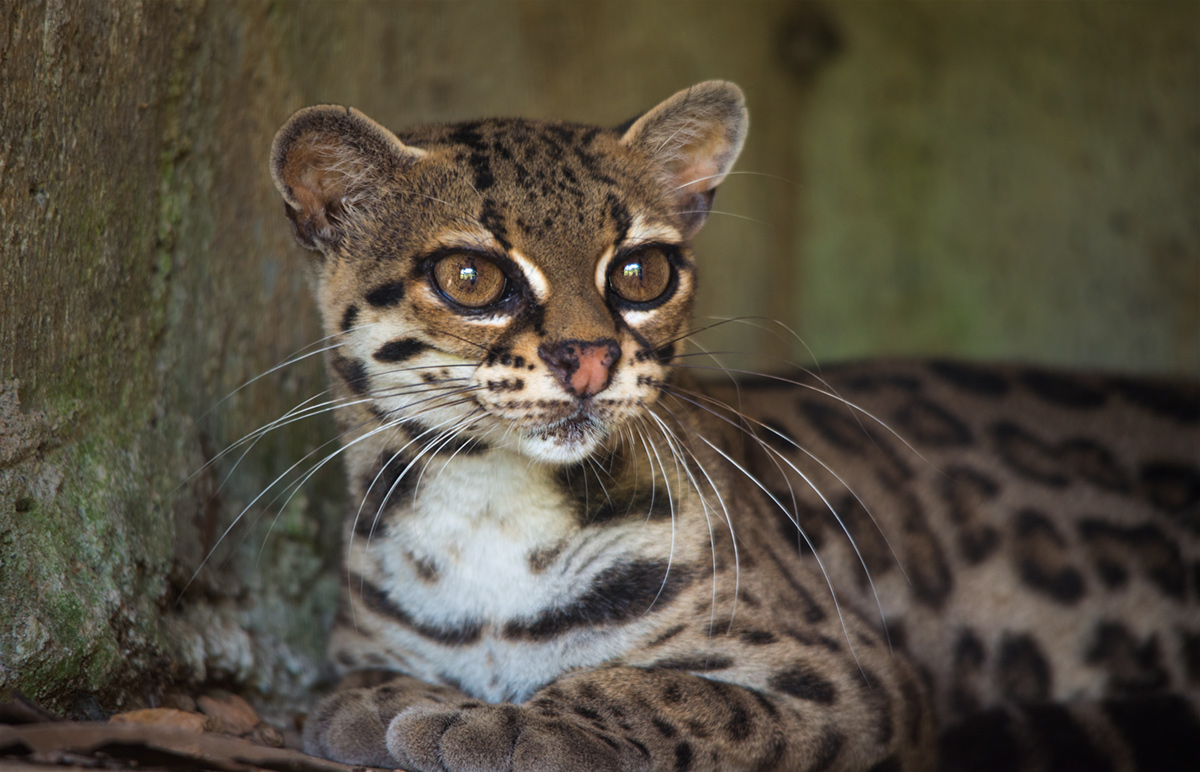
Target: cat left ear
{"points": [[326, 162], [693, 139]]}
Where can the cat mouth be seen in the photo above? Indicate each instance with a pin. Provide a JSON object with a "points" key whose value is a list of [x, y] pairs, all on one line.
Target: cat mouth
{"points": [[579, 427], [567, 439]]}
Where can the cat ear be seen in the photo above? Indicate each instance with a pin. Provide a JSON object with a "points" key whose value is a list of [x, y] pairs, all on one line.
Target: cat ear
{"points": [[693, 139], [325, 161]]}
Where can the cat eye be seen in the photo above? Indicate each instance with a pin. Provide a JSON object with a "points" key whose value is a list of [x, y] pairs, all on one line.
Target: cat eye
{"points": [[469, 280], [642, 276]]}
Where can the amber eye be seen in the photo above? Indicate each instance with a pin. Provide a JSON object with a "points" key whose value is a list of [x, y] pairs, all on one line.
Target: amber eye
{"points": [[640, 277], [469, 280]]}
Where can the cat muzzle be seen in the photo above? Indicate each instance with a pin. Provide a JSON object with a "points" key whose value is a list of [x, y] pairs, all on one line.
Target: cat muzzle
{"points": [[583, 368]]}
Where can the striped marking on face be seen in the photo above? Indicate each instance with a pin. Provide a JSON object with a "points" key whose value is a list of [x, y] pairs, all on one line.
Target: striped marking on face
{"points": [[533, 275]]}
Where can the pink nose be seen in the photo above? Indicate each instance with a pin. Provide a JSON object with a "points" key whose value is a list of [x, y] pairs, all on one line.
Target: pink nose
{"points": [[584, 368]]}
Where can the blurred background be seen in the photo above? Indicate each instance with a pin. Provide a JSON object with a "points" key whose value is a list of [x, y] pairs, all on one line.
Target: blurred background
{"points": [[1000, 180]]}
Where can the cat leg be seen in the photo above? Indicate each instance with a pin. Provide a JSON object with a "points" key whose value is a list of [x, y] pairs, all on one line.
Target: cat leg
{"points": [[350, 724], [633, 719]]}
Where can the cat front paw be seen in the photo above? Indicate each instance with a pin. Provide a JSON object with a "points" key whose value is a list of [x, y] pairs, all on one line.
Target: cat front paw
{"points": [[495, 738]]}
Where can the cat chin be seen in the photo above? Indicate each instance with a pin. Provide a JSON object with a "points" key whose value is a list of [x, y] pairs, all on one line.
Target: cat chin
{"points": [[563, 442]]}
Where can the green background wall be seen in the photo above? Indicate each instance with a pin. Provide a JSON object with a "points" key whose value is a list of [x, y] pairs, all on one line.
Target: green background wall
{"points": [[1015, 180]]}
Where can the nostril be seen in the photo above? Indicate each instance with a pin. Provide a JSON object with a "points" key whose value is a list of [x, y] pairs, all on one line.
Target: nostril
{"points": [[584, 368]]}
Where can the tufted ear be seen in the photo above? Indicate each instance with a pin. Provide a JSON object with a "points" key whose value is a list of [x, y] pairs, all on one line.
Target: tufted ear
{"points": [[326, 160], [693, 139]]}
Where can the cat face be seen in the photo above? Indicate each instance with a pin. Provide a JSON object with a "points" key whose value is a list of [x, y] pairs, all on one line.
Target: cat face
{"points": [[509, 283]]}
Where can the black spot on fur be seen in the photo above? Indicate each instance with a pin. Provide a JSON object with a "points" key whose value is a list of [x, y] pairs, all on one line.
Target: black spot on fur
{"points": [[978, 544], [969, 658], [350, 318], [879, 700], [697, 664], [739, 725], [352, 372], [1161, 731], [683, 757], [923, 421], [779, 437], [1133, 667], [665, 728], [1176, 402], [829, 745], [396, 351], [492, 218], [757, 637], [802, 682], [383, 485], [1095, 464], [377, 601], [482, 166], [973, 379], [1175, 489], [813, 613], [619, 594], [425, 569], [1027, 455], [1042, 558], [839, 427], [541, 559], [967, 491], [1022, 674], [666, 635], [1063, 389], [928, 569], [386, 295], [1158, 556]]}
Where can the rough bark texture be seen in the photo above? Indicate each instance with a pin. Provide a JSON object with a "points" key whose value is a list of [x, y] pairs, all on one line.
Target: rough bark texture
{"points": [[146, 270]]}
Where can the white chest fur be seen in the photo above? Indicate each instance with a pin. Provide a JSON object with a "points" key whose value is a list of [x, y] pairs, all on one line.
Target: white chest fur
{"points": [[457, 556]]}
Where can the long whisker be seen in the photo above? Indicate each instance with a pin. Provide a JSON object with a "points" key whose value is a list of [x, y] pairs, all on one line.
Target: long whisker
{"points": [[677, 445], [774, 454], [831, 394], [297, 356], [816, 555]]}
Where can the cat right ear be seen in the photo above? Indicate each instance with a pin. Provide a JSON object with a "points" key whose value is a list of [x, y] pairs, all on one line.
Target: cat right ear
{"points": [[327, 162], [693, 139]]}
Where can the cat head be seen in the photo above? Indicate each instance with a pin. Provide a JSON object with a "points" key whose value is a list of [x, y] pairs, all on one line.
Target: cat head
{"points": [[515, 283]]}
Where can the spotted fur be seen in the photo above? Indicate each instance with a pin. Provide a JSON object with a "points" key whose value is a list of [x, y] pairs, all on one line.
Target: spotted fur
{"points": [[562, 553]]}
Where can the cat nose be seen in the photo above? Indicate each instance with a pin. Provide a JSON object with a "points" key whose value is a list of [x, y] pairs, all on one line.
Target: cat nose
{"points": [[584, 368]]}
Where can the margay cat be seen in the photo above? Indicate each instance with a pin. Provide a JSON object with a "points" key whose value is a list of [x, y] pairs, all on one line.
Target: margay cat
{"points": [[564, 554]]}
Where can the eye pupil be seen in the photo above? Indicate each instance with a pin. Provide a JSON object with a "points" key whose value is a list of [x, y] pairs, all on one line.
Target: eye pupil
{"points": [[469, 280], [642, 277]]}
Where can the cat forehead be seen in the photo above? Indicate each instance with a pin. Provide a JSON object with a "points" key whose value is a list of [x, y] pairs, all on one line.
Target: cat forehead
{"points": [[545, 190]]}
